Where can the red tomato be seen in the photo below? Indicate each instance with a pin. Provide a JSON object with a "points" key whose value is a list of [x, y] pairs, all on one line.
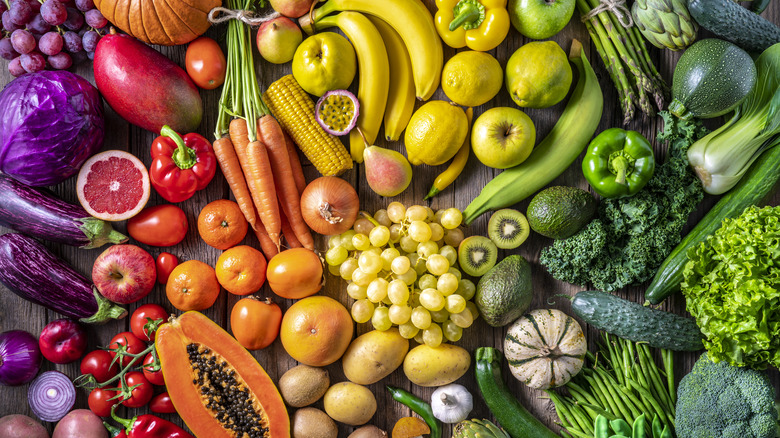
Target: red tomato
{"points": [[205, 63], [295, 273], [99, 402], [132, 345], [161, 404], [165, 264], [142, 393], [161, 225], [154, 377], [98, 363], [142, 316]]}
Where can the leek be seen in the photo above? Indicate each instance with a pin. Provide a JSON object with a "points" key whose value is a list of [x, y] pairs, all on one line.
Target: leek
{"points": [[723, 156]]}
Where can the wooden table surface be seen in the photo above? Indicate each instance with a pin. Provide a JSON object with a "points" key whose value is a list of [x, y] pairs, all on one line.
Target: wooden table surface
{"points": [[16, 313]]}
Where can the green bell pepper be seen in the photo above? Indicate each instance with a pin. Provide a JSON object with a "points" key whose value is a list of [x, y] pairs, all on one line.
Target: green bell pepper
{"points": [[618, 163]]}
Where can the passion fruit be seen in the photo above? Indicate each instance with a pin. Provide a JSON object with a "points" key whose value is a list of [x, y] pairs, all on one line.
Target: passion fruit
{"points": [[337, 112]]}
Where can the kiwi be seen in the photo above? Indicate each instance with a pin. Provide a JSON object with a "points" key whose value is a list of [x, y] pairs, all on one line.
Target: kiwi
{"points": [[313, 423], [508, 228], [303, 385], [477, 254], [368, 431]]}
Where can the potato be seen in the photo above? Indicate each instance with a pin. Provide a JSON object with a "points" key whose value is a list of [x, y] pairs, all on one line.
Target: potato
{"points": [[427, 366], [21, 426], [313, 423], [80, 423], [303, 385], [350, 403], [373, 356]]}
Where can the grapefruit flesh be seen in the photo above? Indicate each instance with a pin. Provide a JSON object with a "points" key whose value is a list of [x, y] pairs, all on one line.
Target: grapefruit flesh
{"points": [[113, 186]]}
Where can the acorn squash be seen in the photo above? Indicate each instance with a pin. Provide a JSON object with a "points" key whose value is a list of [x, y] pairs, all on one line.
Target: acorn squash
{"points": [[217, 387], [163, 22]]}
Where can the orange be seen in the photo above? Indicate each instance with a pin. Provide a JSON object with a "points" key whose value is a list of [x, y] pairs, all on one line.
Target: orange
{"points": [[241, 270], [316, 331], [221, 224], [192, 285]]}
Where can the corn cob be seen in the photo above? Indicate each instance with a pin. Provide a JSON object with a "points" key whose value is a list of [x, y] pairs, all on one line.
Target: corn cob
{"points": [[294, 110]]}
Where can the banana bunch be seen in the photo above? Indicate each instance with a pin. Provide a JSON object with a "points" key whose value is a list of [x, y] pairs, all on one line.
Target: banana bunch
{"points": [[397, 33]]}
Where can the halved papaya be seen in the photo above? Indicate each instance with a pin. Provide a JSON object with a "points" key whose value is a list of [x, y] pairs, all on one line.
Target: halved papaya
{"points": [[217, 387]]}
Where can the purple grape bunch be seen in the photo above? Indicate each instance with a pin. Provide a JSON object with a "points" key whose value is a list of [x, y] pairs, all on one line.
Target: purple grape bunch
{"points": [[36, 34]]}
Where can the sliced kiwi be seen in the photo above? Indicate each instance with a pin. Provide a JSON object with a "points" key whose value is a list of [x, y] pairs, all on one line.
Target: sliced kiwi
{"points": [[508, 228], [477, 254]]}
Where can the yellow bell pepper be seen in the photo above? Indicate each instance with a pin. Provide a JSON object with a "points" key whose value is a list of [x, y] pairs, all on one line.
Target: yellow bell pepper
{"points": [[479, 24]]}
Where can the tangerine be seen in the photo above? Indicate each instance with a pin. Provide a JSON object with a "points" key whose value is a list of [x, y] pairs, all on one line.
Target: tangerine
{"points": [[316, 331], [221, 224], [241, 270], [192, 285]]}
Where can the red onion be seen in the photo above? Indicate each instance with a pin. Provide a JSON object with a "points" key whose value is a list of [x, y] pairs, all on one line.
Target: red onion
{"points": [[20, 357], [51, 396]]}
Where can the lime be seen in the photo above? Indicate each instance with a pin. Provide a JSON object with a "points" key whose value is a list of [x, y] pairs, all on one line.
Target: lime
{"points": [[471, 78], [538, 75], [435, 133]]}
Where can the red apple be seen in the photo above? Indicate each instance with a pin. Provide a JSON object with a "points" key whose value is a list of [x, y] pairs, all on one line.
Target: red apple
{"points": [[63, 341], [291, 8], [124, 273], [278, 39]]}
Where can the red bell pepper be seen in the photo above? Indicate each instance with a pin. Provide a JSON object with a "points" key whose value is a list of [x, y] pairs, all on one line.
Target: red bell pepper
{"points": [[150, 426], [181, 165]]}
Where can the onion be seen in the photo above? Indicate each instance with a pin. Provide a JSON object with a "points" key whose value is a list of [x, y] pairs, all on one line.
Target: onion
{"points": [[51, 396], [20, 357], [329, 205]]}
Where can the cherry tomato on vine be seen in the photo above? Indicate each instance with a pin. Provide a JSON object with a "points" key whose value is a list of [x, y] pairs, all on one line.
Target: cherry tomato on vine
{"points": [[130, 343], [99, 402], [205, 63], [141, 317], [141, 394], [98, 363], [161, 404], [165, 264], [161, 225], [154, 377]]}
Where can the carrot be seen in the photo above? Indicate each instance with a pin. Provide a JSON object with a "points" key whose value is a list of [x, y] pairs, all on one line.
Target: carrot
{"points": [[295, 163], [267, 245], [231, 168], [287, 232], [271, 134], [257, 168]]}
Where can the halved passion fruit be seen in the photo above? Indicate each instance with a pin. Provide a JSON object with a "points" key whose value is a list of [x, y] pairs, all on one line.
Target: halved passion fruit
{"points": [[337, 112]]}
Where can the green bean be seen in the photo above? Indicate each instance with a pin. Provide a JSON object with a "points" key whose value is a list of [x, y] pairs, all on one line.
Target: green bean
{"points": [[621, 427], [580, 394], [581, 418], [603, 400], [567, 416], [611, 403], [668, 359], [556, 404], [596, 411], [579, 434], [602, 427], [644, 393], [564, 434], [655, 378], [636, 405], [620, 400], [638, 429]]}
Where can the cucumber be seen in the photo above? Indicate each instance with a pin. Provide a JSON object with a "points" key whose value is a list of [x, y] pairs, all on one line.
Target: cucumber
{"points": [[510, 414], [636, 322], [711, 78], [756, 187], [730, 21]]}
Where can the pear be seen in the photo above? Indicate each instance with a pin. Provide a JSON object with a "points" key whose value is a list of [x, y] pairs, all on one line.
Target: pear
{"points": [[388, 172]]}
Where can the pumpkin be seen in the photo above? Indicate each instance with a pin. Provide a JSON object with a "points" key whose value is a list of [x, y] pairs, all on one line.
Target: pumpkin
{"points": [[163, 22], [545, 348], [213, 381]]}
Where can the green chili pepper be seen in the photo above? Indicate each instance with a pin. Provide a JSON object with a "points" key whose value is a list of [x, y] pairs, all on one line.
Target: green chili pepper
{"points": [[618, 163], [419, 406], [601, 427], [638, 429]]}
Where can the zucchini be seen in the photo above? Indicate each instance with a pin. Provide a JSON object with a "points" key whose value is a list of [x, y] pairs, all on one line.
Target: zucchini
{"points": [[636, 322], [510, 414], [711, 78], [756, 187], [730, 21]]}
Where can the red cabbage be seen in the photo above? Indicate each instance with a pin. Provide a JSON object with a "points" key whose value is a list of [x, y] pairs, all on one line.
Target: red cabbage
{"points": [[50, 123]]}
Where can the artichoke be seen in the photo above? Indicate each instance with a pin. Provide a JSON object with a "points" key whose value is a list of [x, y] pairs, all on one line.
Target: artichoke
{"points": [[475, 428], [665, 23]]}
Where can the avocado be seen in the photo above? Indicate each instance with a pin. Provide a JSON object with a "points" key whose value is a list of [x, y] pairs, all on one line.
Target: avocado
{"points": [[559, 212], [504, 293]]}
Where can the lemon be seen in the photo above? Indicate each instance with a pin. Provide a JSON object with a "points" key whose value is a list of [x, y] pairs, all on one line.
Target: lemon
{"points": [[538, 75], [435, 133], [471, 78]]}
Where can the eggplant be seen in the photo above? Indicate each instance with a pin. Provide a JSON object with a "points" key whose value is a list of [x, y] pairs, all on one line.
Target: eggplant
{"points": [[31, 271], [40, 213]]}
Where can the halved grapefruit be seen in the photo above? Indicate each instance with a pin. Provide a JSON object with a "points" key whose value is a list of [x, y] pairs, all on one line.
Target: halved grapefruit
{"points": [[113, 185]]}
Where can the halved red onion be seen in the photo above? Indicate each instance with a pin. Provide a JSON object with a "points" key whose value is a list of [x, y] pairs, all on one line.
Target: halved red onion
{"points": [[51, 395], [20, 357]]}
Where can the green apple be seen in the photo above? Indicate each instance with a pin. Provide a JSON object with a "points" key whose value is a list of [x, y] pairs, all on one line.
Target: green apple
{"points": [[278, 39], [503, 137], [324, 62], [540, 19]]}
